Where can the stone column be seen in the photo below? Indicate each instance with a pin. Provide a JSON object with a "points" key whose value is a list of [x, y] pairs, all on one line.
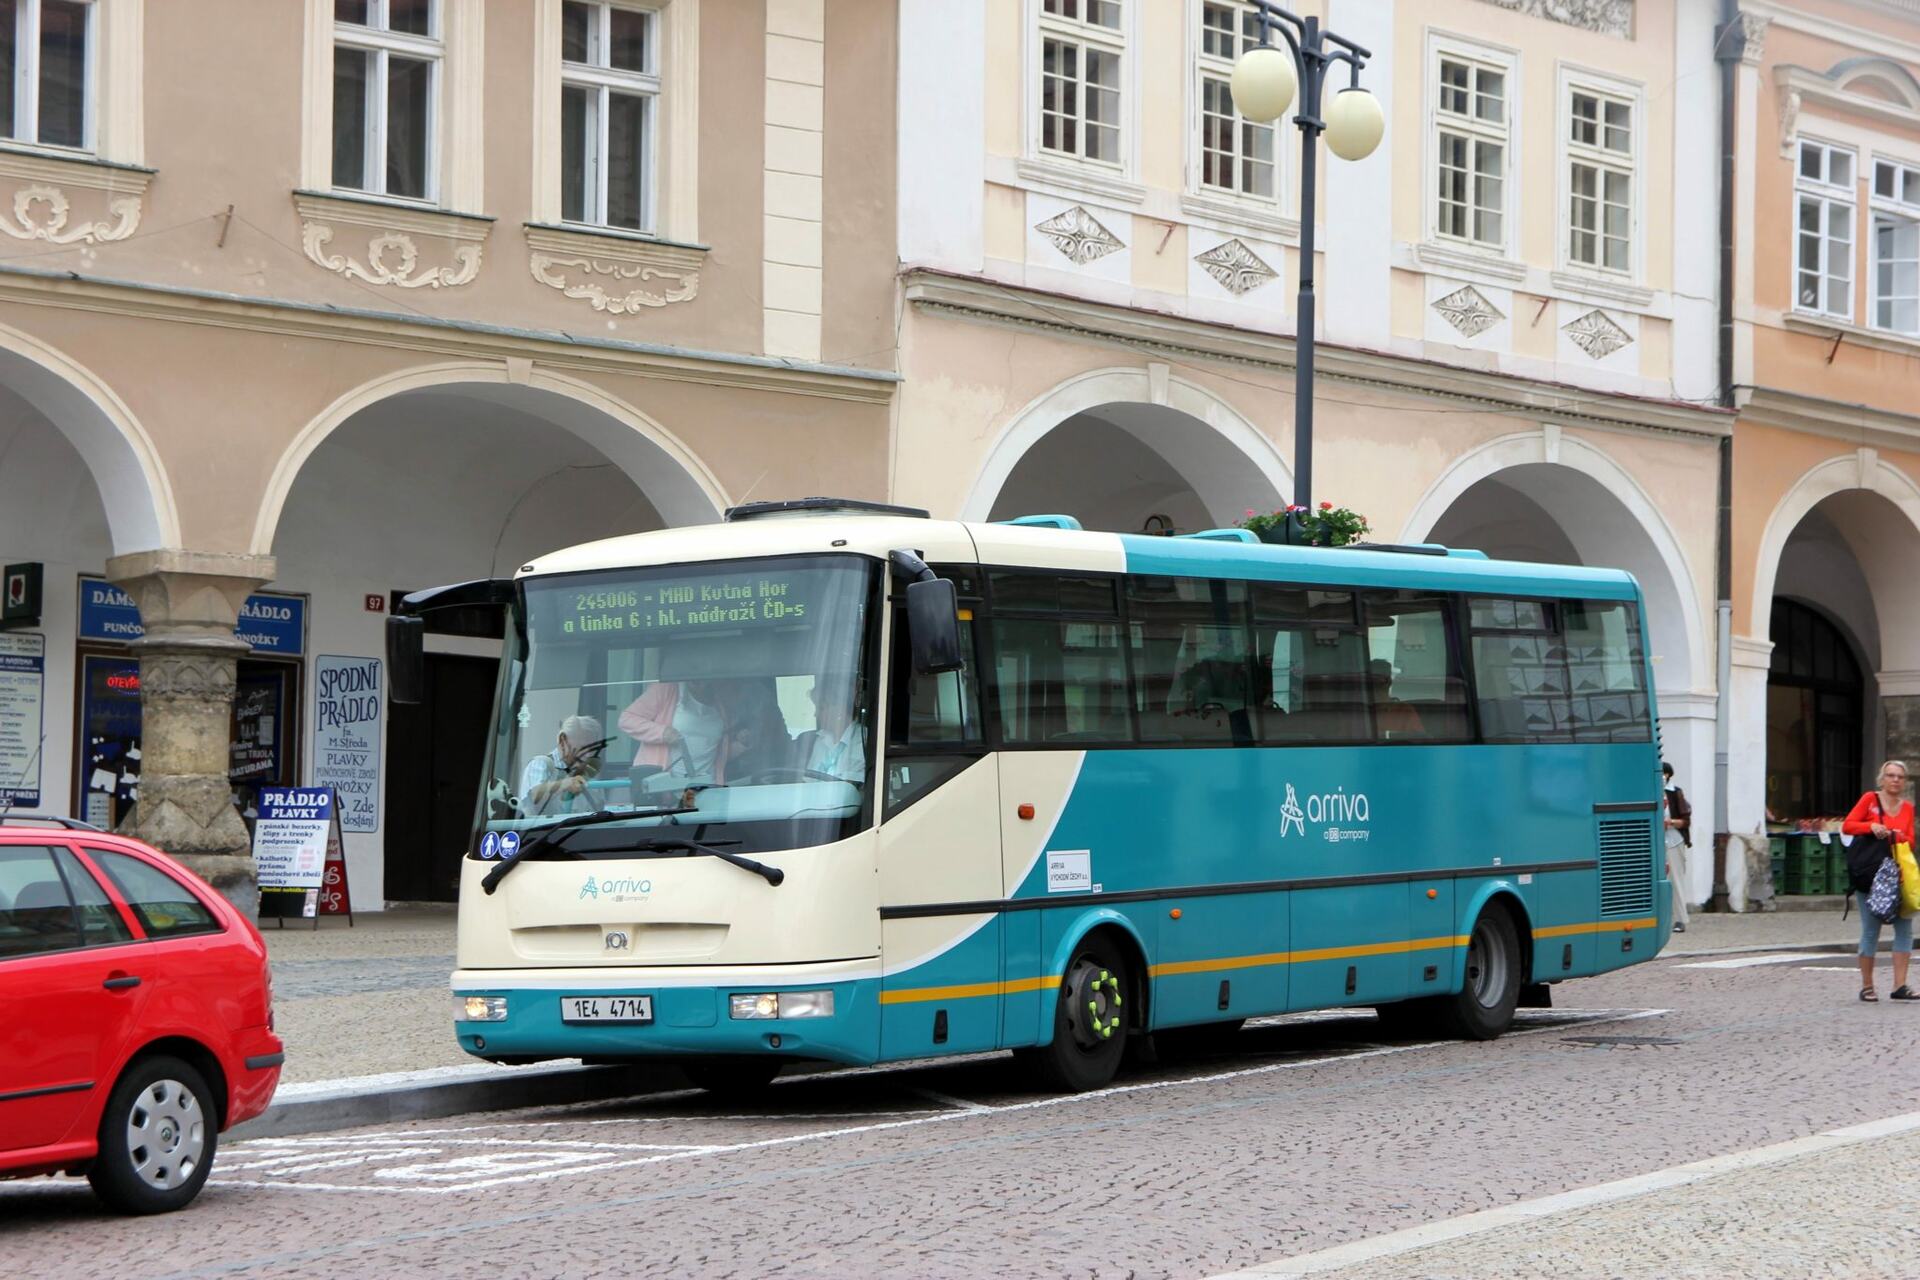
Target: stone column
{"points": [[189, 602]]}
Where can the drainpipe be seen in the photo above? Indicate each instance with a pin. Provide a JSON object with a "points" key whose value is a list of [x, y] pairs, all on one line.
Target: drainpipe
{"points": [[1729, 46]]}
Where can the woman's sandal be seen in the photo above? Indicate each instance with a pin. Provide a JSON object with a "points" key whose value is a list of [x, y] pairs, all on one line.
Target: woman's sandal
{"points": [[1902, 993], [1866, 994]]}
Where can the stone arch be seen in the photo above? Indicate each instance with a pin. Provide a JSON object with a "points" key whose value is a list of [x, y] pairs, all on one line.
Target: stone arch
{"points": [[1892, 81], [1230, 466], [1655, 557], [118, 453], [1881, 534], [681, 487]]}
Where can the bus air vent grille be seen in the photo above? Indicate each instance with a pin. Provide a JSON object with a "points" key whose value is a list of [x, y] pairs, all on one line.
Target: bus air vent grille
{"points": [[1626, 867]]}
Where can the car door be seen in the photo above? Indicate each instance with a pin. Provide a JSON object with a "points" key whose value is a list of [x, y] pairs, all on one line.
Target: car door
{"points": [[66, 1007]]}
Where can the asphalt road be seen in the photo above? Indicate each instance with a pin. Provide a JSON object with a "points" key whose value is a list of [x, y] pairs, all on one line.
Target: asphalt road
{"points": [[1301, 1135]]}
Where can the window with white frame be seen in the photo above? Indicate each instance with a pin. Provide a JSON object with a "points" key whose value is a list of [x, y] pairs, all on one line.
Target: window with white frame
{"points": [[1081, 45], [1236, 154], [46, 49], [387, 56], [1896, 247], [1823, 186], [609, 101], [1471, 147], [1600, 164]]}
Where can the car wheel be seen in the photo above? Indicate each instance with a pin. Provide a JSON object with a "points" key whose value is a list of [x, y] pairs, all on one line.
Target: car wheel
{"points": [[1089, 1022], [157, 1138]]}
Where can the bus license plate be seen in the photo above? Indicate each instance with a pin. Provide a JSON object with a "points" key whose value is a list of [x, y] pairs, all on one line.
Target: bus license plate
{"points": [[606, 1008]]}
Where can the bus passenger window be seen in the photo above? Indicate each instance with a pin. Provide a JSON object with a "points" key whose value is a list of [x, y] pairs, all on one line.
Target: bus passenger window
{"points": [[1606, 672], [1414, 678], [1060, 683], [1312, 656], [1520, 672], [1193, 677]]}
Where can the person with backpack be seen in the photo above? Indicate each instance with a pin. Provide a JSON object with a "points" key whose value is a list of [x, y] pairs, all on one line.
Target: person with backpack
{"points": [[1679, 825], [1881, 819]]}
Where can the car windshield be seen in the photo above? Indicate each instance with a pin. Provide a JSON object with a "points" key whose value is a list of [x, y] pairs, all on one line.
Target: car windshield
{"points": [[733, 693]]}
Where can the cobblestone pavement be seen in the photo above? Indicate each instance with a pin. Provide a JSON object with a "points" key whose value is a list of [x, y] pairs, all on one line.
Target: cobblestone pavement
{"points": [[1308, 1134]]}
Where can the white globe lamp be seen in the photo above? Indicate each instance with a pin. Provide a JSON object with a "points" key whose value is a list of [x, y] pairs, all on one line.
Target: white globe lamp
{"points": [[1355, 124], [1264, 83]]}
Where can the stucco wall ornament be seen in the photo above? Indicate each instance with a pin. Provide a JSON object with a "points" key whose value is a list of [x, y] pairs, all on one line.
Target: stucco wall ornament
{"points": [[629, 293], [40, 213], [1596, 335], [1238, 269], [1079, 235], [391, 259], [1608, 17], [1467, 310]]}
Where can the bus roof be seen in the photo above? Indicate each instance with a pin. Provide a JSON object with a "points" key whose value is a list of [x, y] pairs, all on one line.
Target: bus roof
{"points": [[1040, 546]]}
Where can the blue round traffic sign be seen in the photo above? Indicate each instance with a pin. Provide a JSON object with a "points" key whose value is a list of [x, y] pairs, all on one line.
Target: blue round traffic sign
{"points": [[510, 844], [490, 845]]}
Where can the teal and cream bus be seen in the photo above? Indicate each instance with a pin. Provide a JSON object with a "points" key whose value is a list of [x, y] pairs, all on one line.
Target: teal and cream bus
{"points": [[834, 781]]}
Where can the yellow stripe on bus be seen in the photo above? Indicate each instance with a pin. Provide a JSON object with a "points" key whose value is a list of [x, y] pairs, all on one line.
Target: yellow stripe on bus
{"points": [[1597, 926], [1014, 986]]}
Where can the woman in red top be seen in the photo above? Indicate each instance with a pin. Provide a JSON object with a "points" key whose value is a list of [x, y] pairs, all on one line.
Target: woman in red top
{"points": [[1887, 814]]}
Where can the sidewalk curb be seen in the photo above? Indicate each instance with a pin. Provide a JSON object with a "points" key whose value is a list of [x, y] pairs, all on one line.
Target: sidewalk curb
{"points": [[347, 1104], [1766, 947]]}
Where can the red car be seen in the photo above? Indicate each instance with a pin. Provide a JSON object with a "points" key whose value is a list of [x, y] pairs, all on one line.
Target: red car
{"points": [[136, 1015]]}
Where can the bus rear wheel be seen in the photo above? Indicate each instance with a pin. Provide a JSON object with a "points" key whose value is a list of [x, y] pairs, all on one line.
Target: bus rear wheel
{"points": [[1490, 990], [1089, 1021]]}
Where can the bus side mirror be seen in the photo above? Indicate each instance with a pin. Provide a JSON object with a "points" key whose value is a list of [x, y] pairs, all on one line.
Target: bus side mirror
{"points": [[933, 626], [406, 659]]}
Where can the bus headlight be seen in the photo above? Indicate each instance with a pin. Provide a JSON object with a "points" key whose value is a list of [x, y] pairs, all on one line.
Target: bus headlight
{"points": [[782, 1004], [479, 1008]]}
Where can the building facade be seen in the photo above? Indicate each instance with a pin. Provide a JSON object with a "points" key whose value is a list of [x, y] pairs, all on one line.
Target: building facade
{"points": [[458, 282], [1516, 290], [1826, 521]]}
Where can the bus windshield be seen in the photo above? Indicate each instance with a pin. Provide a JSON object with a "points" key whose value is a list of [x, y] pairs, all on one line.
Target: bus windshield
{"points": [[733, 693]]}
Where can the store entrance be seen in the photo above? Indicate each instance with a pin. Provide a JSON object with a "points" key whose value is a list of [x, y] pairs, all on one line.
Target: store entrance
{"points": [[434, 752], [1815, 716]]}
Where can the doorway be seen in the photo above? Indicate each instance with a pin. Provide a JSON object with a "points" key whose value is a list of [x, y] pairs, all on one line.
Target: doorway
{"points": [[1815, 716], [434, 752]]}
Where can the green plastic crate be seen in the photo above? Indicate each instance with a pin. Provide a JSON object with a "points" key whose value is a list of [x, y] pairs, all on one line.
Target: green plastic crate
{"points": [[1837, 864], [1807, 880]]}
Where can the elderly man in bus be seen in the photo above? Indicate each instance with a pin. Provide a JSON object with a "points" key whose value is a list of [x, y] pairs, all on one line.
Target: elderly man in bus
{"points": [[553, 782]]}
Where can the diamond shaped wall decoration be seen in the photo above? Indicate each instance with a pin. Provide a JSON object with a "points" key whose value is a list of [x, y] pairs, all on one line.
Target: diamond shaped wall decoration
{"points": [[1238, 268], [1596, 335], [1079, 235], [1466, 310]]}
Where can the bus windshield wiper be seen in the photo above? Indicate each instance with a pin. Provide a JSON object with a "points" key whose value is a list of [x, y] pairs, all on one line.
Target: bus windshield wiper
{"points": [[555, 834], [773, 875]]}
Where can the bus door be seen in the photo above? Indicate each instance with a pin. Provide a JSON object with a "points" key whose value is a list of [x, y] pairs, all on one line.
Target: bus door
{"points": [[939, 853]]}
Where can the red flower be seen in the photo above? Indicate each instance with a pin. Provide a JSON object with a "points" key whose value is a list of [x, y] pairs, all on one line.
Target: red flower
{"points": [[1294, 506], [1326, 506]]}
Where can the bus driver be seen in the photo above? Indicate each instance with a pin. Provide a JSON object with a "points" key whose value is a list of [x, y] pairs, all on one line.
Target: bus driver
{"points": [[837, 747], [550, 783]]}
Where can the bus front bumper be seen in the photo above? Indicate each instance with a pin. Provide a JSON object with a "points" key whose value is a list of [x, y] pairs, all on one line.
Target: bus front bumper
{"points": [[532, 1014]]}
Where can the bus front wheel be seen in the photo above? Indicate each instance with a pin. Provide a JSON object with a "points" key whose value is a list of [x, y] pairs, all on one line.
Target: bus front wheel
{"points": [[1490, 990], [1089, 1021]]}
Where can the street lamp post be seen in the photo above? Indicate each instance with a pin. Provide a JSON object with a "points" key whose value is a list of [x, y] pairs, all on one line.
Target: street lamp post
{"points": [[1264, 80]]}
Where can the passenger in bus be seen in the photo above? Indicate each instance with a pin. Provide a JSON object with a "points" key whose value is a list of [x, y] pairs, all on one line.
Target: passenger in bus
{"points": [[1392, 718], [554, 782], [838, 745], [757, 736], [680, 729]]}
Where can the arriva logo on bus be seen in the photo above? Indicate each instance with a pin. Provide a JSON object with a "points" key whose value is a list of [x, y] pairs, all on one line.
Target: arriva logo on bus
{"points": [[1328, 809], [617, 889]]}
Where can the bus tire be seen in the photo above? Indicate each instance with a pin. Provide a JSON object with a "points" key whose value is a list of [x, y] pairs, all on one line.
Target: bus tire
{"points": [[1089, 1021], [741, 1077], [1490, 987]]}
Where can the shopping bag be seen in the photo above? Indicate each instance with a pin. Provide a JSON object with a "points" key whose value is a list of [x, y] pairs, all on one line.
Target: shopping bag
{"points": [[1884, 898], [1909, 879]]}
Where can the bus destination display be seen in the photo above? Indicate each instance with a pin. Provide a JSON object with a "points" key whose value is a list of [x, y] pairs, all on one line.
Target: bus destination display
{"points": [[721, 601]]}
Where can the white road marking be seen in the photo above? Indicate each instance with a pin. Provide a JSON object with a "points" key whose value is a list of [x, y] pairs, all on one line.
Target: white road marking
{"points": [[949, 1101], [1748, 962], [1549, 1020], [1830, 968], [1532, 1211]]}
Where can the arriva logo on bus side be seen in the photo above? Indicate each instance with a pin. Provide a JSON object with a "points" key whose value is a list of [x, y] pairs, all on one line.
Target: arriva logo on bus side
{"points": [[1329, 810]]}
